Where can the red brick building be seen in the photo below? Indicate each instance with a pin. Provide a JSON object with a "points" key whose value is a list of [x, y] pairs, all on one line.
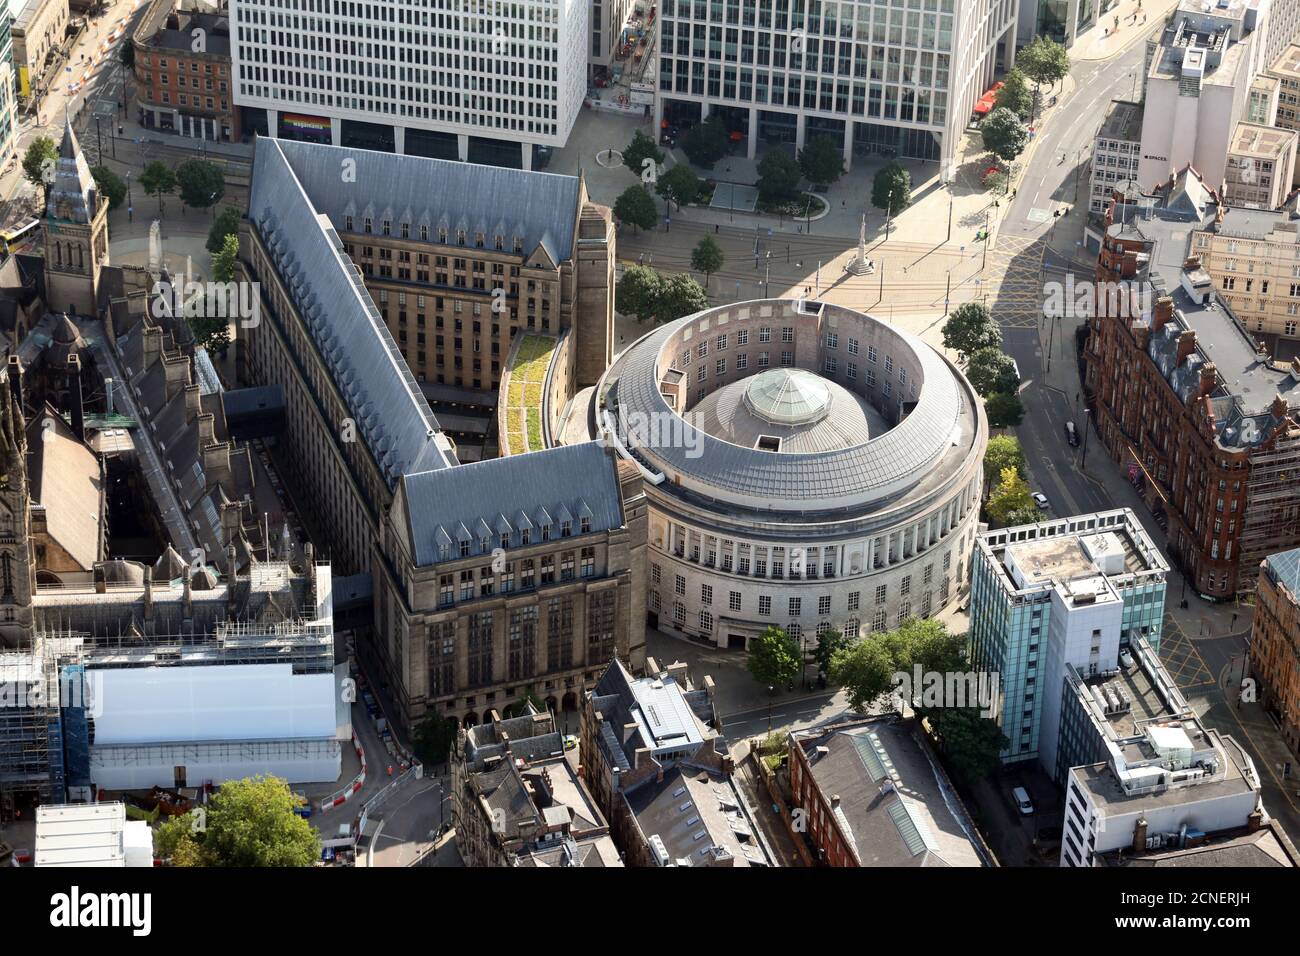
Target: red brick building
{"points": [[1192, 408], [1275, 642], [182, 72]]}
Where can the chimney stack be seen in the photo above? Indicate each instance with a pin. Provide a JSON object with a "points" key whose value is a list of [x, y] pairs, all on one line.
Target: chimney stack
{"points": [[148, 592], [1164, 311], [1140, 835], [1209, 375], [1186, 345]]}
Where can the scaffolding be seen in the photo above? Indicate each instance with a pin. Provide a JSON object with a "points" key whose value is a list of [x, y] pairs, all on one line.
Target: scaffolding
{"points": [[1272, 516], [31, 736]]}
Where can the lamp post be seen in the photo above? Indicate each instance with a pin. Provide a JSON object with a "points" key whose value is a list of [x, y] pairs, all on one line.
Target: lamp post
{"points": [[770, 690]]}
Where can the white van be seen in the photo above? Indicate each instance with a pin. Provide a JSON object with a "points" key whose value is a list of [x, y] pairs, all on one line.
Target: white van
{"points": [[1020, 797]]}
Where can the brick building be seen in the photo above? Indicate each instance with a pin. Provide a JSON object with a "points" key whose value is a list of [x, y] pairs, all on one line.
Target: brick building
{"points": [[1188, 403], [1275, 641], [182, 72]]}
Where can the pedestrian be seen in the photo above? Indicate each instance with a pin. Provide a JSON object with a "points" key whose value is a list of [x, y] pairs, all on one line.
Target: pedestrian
{"points": [[390, 769], [716, 227]]}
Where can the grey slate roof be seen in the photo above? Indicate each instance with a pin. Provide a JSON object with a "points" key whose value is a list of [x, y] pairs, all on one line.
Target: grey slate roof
{"points": [[390, 411], [538, 208], [456, 504], [877, 468]]}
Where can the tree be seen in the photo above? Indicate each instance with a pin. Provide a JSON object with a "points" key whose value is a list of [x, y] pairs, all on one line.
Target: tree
{"points": [[109, 184], [891, 189], [157, 179], [866, 670], [970, 741], [637, 291], [821, 160], [679, 185], [1044, 61], [705, 143], [970, 328], [126, 54], [774, 657], [39, 164], [248, 822], [679, 295], [201, 183], [778, 176], [638, 151], [1004, 135], [707, 257], [225, 224], [1003, 452], [223, 263], [636, 207], [432, 739], [1015, 94], [829, 643], [1010, 495], [1004, 410], [991, 370]]}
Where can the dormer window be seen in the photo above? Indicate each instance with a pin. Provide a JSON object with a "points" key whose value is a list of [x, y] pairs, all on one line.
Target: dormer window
{"points": [[566, 529], [464, 549], [388, 227], [519, 245], [444, 552], [460, 237], [442, 235], [505, 539], [424, 233], [585, 525], [525, 536], [485, 545], [501, 242], [347, 223], [478, 240], [546, 532], [369, 224], [406, 230]]}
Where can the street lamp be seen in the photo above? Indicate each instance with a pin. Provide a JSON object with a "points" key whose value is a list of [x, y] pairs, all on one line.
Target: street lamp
{"points": [[770, 690]]}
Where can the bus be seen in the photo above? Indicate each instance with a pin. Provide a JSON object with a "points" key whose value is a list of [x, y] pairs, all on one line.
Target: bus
{"points": [[16, 235]]}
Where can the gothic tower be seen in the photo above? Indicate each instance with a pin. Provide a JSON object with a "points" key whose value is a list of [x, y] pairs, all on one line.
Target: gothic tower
{"points": [[16, 571], [76, 232]]}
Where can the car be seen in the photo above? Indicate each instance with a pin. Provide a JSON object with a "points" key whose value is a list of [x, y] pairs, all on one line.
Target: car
{"points": [[1072, 434], [1040, 499], [570, 742], [1020, 797]]}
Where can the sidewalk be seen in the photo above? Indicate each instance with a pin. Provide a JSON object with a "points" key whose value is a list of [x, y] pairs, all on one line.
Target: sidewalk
{"points": [[1137, 19]]}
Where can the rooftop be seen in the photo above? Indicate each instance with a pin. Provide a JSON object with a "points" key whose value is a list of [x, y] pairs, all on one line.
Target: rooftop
{"points": [[1284, 568], [96, 834], [1267, 846], [1123, 122], [1260, 142], [1288, 62], [694, 818], [895, 805]]}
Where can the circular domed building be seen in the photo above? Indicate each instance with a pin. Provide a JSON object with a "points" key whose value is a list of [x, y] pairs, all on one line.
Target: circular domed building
{"points": [[805, 465]]}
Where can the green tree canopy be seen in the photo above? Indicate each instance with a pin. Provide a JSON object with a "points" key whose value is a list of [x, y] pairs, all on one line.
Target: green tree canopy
{"points": [[1044, 60], [778, 176], [225, 224], [638, 151], [774, 657], [1004, 135], [679, 185], [1003, 452], [1015, 94], [126, 53], [635, 206], [248, 822], [433, 738], [705, 143], [637, 291], [201, 183], [157, 179], [39, 164], [223, 263], [992, 370], [891, 189], [970, 742], [829, 643], [679, 295], [707, 257], [970, 328], [109, 184], [821, 160], [1005, 410], [865, 669], [1011, 495]]}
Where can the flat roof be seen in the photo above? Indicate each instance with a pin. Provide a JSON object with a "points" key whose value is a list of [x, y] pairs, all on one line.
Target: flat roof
{"points": [[663, 714], [1230, 779], [1288, 61], [1123, 121], [1264, 142]]}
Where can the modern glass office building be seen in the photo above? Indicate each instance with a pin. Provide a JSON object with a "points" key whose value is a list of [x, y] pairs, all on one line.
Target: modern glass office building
{"points": [[8, 97], [1064, 593], [896, 77]]}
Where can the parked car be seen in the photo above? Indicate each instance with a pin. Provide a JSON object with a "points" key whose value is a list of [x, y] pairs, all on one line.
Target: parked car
{"points": [[1040, 499], [1020, 797], [570, 742], [1072, 434]]}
